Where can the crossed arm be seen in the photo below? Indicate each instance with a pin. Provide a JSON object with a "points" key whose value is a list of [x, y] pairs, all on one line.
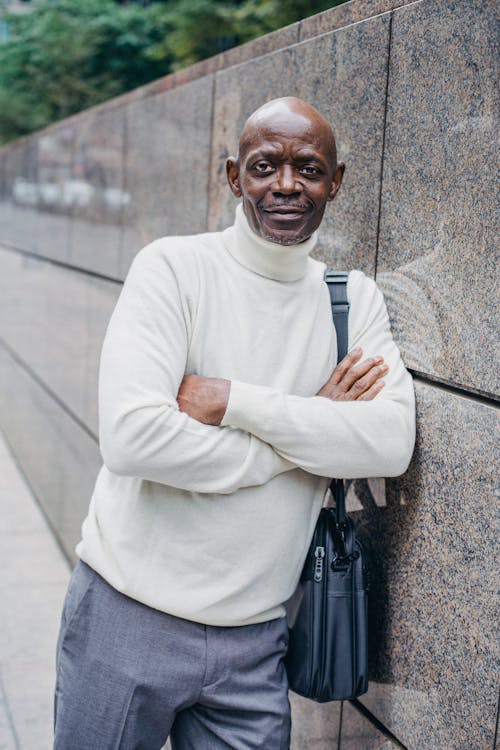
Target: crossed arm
{"points": [[206, 399], [142, 432], [215, 436], [343, 431], [360, 423]]}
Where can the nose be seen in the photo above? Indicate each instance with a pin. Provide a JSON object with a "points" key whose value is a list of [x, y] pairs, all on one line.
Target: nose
{"points": [[286, 181]]}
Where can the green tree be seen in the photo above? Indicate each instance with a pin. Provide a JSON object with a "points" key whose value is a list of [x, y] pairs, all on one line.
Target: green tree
{"points": [[201, 28], [65, 55]]}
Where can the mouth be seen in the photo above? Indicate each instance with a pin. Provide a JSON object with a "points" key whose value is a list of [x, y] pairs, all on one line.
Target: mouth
{"points": [[285, 212]]}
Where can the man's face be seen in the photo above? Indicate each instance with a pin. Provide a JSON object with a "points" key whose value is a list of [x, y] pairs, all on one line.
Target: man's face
{"points": [[286, 172]]}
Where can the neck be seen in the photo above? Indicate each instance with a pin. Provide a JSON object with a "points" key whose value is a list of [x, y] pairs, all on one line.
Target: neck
{"points": [[279, 262]]}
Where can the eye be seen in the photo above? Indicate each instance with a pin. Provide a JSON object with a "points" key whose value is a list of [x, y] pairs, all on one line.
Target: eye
{"points": [[309, 169], [263, 167]]}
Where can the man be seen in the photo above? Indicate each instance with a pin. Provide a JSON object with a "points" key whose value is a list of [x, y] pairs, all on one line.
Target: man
{"points": [[222, 417]]}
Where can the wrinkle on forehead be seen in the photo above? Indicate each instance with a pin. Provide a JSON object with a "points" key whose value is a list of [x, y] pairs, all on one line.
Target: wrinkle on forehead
{"points": [[289, 117]]}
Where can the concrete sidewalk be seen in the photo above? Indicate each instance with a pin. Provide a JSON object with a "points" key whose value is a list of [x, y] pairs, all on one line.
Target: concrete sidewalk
{"points": [[33, 579]]}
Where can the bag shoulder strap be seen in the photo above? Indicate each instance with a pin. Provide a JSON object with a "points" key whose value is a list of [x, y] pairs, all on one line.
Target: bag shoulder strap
{"points": [[337, 286]]}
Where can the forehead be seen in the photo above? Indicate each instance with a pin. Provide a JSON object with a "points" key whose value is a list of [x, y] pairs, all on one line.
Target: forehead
{"points": [[285, 133]]}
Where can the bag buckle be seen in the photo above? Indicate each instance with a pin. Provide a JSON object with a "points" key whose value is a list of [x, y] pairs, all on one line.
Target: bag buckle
{"points": [[342, 561]]}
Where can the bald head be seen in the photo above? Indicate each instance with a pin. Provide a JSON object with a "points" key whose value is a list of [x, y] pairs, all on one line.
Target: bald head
{"points": [[283, 113], [286, 170]]}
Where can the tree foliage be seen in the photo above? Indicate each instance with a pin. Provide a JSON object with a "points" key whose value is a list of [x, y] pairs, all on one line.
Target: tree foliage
{"points": [[65, 55]]}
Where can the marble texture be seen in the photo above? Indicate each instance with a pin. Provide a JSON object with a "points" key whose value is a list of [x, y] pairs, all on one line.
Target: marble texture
{"points": [[167, 165], [60, 459], [54, 319], [344, 75], [262, 45], [434, 557], [358, 733], [437, 252], [314, 725], [346, 15]]}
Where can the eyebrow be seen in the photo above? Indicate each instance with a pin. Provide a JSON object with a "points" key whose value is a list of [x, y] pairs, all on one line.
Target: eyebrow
{"points": [[268, 152], [304, 155]]}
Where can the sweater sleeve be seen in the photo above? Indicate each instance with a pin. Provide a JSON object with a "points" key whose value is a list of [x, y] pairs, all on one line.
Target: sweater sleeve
{"points": [[142, 433], [339, 438]]}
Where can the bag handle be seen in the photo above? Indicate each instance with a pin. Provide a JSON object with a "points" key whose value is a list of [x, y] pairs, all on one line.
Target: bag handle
{"points": [[337, 287]]}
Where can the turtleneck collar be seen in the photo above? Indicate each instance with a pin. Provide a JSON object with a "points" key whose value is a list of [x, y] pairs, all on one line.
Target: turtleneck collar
{"points": [[278, 262]]}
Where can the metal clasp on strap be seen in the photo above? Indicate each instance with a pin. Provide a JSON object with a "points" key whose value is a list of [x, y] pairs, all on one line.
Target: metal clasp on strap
{"points": [[336, 282], [335, 277], [341, 307], [337, 286]]}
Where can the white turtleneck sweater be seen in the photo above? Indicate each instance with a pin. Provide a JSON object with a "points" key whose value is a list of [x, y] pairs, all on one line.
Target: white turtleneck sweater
{"points": [[212, 524]]}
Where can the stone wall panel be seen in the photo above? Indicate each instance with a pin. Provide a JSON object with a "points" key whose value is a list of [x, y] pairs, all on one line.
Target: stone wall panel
{"points": [[54, 320], [167, 165], [439, 222], [432, 604], [346, 15], [60, 460], [344, 75], [97, 199], [19, 197]]}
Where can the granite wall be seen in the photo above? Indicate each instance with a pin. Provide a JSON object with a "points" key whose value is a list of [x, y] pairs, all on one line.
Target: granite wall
{"points": [[410, 88]]}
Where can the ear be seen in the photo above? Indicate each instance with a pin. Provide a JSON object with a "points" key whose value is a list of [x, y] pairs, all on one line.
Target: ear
{"points": [[233, 176], [337, 181]]}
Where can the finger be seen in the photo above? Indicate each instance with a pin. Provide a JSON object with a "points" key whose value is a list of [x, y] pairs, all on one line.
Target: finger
{"points": [[361, 370], [370, 394], [345, 365], [364, 383]]}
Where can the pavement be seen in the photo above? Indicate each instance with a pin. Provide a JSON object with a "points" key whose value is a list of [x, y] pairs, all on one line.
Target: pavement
{"points": [[33, 577]]}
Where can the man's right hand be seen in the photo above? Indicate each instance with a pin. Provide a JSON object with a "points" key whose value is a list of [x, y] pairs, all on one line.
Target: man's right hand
{"points": [[351, 381]]}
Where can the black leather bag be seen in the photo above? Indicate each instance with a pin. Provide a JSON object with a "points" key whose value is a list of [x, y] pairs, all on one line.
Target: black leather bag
{"points": [[327, 656]]}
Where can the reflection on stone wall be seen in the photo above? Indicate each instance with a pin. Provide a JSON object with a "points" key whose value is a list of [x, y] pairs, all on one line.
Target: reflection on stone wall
{"points": [[437, 224], [410, 89]]}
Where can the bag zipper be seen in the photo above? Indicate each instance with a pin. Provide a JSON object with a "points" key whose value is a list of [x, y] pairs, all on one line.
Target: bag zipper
{"points": [[319, 559], [324, 610], [318, 576]]}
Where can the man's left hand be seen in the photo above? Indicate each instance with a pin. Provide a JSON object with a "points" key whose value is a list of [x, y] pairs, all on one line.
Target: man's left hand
{"points": [[204, 399]]}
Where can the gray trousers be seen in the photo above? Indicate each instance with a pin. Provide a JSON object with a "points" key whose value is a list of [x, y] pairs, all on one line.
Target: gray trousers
{"points": [[129, 676]]}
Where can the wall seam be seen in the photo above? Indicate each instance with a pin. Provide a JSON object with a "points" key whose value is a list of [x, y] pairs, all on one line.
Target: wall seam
{"points": [[38, 380], [364, 711], [70, 216], [496, 724], [341, 718], [8, 713], [39, 504], [487, 399], [125, 179], [349, 23], [60, 263], [384, 130], [210, 155]]}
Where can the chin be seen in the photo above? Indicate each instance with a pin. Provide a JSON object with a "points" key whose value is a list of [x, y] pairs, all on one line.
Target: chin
{"points": [[289, 239]]}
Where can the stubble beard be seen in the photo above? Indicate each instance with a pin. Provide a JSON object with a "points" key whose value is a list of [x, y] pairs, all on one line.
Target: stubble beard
{"points": [[293, 240]]}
